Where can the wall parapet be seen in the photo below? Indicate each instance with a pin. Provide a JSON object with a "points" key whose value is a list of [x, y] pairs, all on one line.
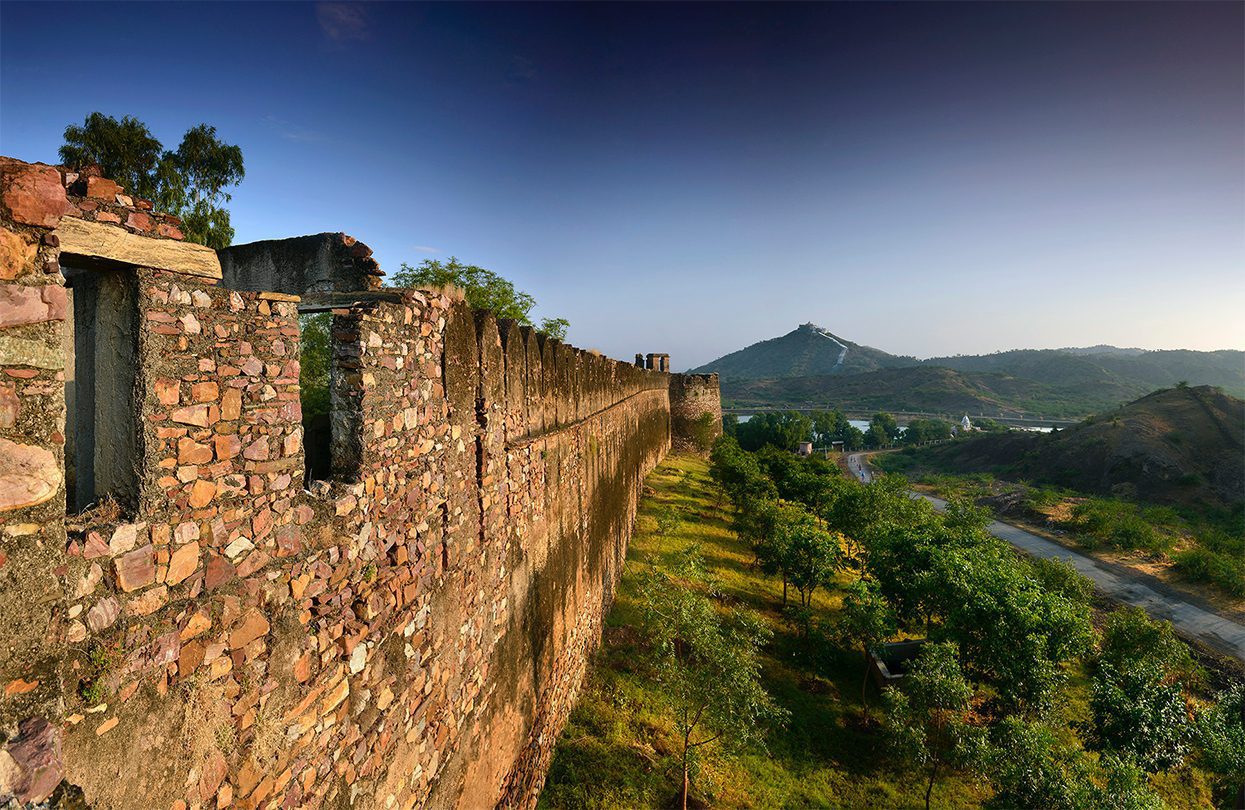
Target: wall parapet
{"points": [[410, 634]]}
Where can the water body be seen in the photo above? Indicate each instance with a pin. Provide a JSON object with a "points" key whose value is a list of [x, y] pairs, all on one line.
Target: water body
{"points": [[863, 424]]}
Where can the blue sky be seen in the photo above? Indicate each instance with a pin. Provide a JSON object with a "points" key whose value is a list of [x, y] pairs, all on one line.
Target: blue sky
{"points": [[925, 178]]}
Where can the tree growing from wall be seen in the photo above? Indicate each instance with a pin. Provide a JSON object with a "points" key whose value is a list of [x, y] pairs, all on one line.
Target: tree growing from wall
{"points": [[190, 182], [483, 289]]}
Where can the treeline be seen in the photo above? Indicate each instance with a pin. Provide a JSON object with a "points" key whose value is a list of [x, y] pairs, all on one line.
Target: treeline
{"points": [[1002, 635], [787, 429]]}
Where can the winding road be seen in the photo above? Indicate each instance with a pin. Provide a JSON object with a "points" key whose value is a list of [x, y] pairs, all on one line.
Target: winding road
{"points": [[1192, 621]]}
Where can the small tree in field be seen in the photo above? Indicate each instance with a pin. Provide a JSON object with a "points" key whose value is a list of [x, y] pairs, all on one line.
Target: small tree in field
{"points": [[927, 721], [1221, 741], [866, 620], [708, 665], [801, 549]]}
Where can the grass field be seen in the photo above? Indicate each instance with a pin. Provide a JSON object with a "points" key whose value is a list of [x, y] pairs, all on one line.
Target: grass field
{"points": [[617, 750]]}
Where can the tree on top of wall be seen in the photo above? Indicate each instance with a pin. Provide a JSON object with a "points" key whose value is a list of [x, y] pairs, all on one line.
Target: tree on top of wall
{"points": [[483, 288], [189, 182]]}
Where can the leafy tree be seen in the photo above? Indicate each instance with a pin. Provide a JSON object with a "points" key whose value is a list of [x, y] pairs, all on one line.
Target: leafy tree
{"points": [[800, 549], [920, 431], [313, 381], [1062, 577], [737, 473], [1013, 632], [853, 438], [483, 289], [784, 430], [927, 721], [1130, 637], [1138, 698], [1124, 787], [189, 182], [1030, 767], [883, 430], [1140, 714], [709, 667], [1220, 732], [866, 620], [668, 519]]}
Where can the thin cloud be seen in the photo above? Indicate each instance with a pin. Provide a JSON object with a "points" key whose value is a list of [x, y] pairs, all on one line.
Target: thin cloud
{"points": [[293, 132], [343, 22], [425, 249]]}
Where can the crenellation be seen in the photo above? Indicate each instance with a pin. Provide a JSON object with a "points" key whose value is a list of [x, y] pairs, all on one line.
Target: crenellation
{"points": [[409, 631]]}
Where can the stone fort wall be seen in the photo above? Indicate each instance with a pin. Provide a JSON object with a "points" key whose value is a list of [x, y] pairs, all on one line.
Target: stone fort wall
{"points": [[411, 633]]}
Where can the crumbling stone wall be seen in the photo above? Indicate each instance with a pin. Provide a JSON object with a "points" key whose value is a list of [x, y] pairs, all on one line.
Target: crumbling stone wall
{"points": [[410, 634], [695, 411]]}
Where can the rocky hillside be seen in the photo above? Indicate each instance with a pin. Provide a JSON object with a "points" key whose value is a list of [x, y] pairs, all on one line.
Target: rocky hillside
{"points": [[1174, 445], [809, 350]]}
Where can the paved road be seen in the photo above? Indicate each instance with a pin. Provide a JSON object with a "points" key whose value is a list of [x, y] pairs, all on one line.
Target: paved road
{"points": [[856, 464], [1192, 621]]}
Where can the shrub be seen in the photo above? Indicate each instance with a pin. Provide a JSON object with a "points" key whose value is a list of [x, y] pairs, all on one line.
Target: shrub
{"points": [[1204, 565]]}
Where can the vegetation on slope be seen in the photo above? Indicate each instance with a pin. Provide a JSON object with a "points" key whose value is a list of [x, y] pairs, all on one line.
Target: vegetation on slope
{"points": [[1183, 445], [1163, 478], [807, 350], [923, 389]]}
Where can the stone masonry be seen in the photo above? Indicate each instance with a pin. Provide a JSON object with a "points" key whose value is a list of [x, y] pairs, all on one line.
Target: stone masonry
{"points": [[411, 633]]}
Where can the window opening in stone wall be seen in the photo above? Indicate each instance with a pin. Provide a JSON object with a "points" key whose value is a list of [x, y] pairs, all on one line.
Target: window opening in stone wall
{"points": [[316, 358], [330, 399], [101, 362]]}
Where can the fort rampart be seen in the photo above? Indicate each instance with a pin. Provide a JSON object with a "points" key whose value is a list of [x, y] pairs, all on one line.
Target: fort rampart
{"points": [[187, 621]]}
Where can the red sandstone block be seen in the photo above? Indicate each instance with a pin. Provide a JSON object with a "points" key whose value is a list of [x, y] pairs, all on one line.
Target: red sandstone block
{"points": [[136, 569], [105, 216], [16, 254], [170, 231], [139, 221], [202, 493], [205, 391], [33, 195], [192, 415], [167, 391], [101, 188], [20, 305], [191, 452], [231, 404], [227, 446], [219, 572]]}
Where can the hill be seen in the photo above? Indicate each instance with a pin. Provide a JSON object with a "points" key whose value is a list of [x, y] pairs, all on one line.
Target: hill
{"points": [[1172, 446], [811, 365], [808, 350], [1128, 373], [926, 389]]}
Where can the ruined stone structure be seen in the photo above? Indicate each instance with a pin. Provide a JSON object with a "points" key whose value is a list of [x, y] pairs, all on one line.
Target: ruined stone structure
{"points": [[187, 622], [695, 411]]}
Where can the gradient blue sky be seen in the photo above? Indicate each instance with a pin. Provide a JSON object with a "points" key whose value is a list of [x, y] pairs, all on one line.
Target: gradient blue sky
{"points": [[925, 178]]}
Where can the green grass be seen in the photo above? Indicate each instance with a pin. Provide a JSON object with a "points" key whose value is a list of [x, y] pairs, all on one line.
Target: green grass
{"points": [[617, 750]]}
